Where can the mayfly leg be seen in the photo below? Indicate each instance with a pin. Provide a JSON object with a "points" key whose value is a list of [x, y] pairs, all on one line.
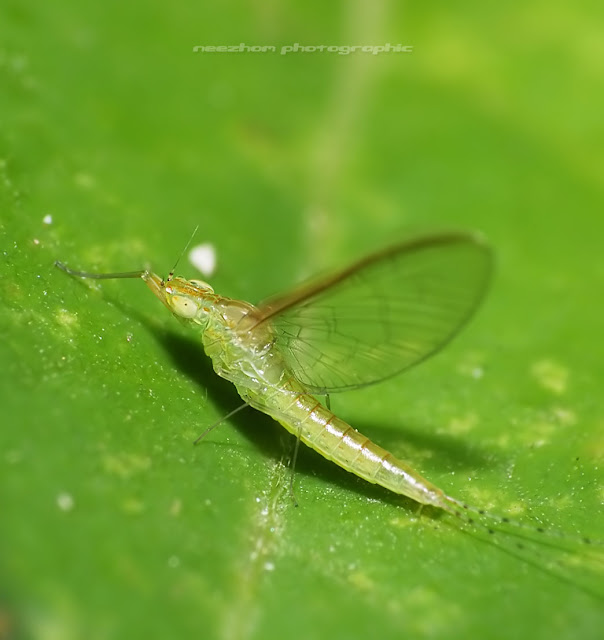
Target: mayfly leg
{"points": [[229, 415], [292, 494]]}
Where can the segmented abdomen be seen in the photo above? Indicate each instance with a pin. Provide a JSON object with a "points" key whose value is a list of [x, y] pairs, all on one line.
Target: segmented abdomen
{"points": [[304, 416]]}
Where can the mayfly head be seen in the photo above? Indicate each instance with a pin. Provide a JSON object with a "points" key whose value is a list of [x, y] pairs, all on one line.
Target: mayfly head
{"points": [[186, 299]]}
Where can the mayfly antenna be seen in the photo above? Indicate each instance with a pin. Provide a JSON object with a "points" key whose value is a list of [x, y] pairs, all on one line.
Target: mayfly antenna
{"points": [[99, 276], [182, 253]]}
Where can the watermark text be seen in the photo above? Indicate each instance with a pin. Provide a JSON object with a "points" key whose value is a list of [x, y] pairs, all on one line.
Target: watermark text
{"points": [[284, 50]]}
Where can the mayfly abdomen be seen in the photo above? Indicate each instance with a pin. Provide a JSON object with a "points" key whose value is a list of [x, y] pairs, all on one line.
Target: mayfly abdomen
{"points": [[336, 440]]}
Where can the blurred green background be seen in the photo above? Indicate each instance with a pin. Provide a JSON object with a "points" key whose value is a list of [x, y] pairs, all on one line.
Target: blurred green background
{"points": [[116, 140]]}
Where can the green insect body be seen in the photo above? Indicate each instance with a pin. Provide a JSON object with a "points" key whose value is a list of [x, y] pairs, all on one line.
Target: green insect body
{"points": [[264, 381], [359, 326]]}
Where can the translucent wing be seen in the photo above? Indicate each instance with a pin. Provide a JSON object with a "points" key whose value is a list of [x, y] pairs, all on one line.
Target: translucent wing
{"points": [[381, 315]]}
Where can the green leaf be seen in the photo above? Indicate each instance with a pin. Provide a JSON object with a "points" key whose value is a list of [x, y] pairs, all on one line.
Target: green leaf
{"points": [[116, 140]]}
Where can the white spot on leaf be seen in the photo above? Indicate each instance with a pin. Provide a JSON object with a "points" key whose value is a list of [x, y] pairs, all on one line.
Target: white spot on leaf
{"points": [[203, 257], [65, 501]]}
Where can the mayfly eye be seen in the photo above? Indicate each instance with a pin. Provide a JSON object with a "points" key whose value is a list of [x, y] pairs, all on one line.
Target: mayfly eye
{"points": [[201, 284], [184, 307]]}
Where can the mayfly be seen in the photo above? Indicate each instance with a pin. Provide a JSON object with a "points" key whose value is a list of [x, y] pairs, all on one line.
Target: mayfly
{"points": [[362, 325], [359, 326]]}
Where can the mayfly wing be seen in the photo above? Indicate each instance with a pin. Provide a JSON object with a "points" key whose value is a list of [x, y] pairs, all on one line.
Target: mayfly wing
{"points": [[381, 315]]}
